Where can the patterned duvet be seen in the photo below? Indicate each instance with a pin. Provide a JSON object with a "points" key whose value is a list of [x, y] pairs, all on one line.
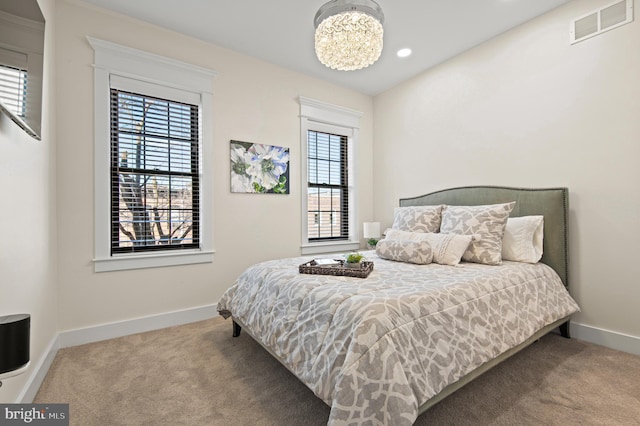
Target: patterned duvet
{"points": [[375, 349]]}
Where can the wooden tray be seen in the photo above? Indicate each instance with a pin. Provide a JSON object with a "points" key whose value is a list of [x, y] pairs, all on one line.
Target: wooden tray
{"points": [[338, 270]]}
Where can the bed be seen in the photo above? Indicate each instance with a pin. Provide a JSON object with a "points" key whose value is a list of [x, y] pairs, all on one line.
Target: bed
{"points": [[383, 349]]}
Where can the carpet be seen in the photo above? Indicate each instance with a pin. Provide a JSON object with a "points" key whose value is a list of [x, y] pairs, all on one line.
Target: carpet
{"points": [[197, 374]]}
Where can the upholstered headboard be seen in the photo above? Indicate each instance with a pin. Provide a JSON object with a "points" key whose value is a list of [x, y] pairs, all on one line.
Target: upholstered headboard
{"points": [[552, 203]]}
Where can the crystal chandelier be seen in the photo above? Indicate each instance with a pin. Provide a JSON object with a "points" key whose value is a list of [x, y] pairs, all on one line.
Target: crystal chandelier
{"points": [[349, 34]]}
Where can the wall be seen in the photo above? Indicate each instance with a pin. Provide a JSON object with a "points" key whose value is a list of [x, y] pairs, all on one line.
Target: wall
{"points": [[253, 101], [28, 213], [528, 109]]}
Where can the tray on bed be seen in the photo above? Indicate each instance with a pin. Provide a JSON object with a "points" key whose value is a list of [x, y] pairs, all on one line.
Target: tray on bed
{"points": [[312, 267]]}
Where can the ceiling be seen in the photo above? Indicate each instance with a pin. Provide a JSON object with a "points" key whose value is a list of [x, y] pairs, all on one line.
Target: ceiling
{"points": [[28, 9], [281, 31]]}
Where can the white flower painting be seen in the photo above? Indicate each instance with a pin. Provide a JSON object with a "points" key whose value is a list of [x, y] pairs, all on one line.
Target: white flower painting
{"points": [[259, 168]]}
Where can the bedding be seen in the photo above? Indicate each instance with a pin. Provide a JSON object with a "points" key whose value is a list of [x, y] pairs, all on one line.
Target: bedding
{"points": [[447, 248], [418, 252], [417, 218], [523, 239], [485, 223], [377, 349]]}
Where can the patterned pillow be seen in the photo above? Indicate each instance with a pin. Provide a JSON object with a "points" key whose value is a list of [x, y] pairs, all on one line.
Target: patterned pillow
{"points": [[417, 218], [418, 252], [485, 223], [447, 248]]}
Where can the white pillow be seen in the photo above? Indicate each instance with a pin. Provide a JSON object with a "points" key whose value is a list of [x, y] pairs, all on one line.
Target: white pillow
{"points": [[522, 241], [447, 248]]}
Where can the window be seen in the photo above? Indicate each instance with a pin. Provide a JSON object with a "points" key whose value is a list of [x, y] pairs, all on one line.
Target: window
{"points": [[21, 61], [329, 134], [327, 187], [154, 174], [153, 187], [13, 89]]}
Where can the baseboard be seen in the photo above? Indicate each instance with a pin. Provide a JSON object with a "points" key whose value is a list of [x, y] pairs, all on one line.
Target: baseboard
{"points": [[134, 326], [104, 332], [608, 338], [39, 372]]}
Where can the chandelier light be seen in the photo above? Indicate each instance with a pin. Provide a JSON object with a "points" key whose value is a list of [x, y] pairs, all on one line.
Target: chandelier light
{"points": [[349, 34]]}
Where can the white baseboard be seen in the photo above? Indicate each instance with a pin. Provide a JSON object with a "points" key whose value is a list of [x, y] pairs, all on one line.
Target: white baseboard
{"points": [[133, 326], [107, 331], [39, 372], [608, 338]]}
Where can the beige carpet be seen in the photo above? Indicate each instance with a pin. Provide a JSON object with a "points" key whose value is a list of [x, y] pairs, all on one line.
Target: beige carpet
{"points": [[198, 374]]}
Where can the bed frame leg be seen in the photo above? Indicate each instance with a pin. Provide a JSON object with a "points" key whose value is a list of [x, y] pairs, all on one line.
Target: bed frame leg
{"points": [[236, 329], [564, 330]]}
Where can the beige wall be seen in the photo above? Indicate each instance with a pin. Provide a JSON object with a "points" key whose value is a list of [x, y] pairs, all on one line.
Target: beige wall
{"points": [[253, 101], [27, 214], [525, 109], [528, 109]]}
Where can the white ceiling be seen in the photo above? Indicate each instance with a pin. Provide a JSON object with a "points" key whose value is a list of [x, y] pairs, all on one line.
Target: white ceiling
{"points": [[281, 31], [24, 8]]}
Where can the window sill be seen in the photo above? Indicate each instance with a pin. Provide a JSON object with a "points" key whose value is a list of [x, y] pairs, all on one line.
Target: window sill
{"points": [[330, 247], [154, 260]]}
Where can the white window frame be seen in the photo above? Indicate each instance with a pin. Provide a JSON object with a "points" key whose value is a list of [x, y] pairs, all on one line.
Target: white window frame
{"points": [[324, 117], [147, 71]]}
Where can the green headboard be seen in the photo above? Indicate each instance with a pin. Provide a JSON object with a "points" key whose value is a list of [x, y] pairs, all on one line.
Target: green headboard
{"points": [[552, 203]]}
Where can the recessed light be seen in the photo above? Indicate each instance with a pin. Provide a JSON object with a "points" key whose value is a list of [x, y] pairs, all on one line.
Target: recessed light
{"points": [[403, 53]]}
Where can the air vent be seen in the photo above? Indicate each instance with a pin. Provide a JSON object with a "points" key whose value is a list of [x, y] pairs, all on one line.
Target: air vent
{"points": [[601, 20]]}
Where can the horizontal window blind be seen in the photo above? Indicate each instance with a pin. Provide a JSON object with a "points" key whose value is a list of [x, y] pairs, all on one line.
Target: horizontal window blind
{"points": [[13, 89], [155, 189], [328, 196]]}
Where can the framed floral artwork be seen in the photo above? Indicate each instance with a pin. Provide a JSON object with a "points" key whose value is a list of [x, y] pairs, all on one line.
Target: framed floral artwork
{"points": [[257, 168]]}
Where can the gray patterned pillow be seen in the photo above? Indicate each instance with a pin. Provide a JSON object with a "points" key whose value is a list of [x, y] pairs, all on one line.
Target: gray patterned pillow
{"points": [[485, 223], [417, 218], [447, 248], [418, 252]]}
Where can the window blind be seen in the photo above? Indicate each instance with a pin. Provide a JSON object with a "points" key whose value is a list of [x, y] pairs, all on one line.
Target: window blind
{"points": [[155, 189], [328, 196], [13, 89]]}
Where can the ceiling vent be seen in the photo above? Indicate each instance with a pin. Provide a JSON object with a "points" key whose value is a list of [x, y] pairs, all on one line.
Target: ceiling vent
{"points": [[601, 20]]}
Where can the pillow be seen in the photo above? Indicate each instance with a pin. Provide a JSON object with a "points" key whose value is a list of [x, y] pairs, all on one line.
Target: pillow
{"points": [[418, 252], [447, 248], [485, 223], [417, 218], [522, 241]]}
